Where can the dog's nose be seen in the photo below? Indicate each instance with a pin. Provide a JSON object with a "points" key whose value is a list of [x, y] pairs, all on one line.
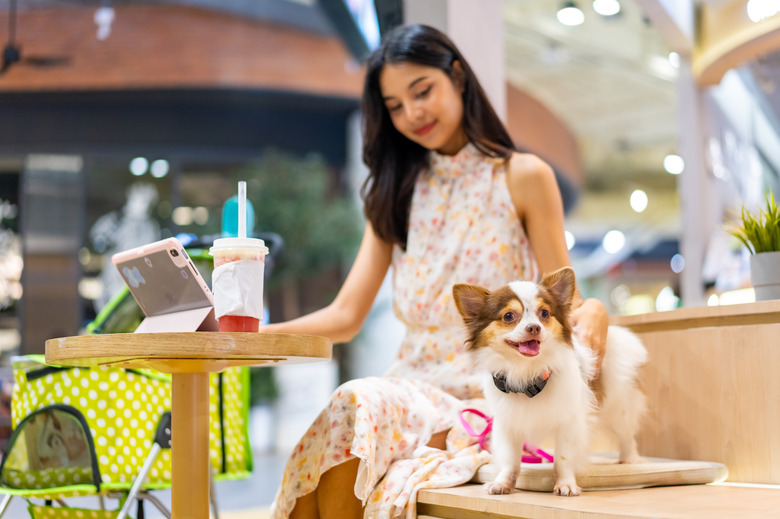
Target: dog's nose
{"points": [[533, 329]]}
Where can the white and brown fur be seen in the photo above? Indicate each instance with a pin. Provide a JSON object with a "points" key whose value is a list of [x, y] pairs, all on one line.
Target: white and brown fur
{"points": [[501, 326]]}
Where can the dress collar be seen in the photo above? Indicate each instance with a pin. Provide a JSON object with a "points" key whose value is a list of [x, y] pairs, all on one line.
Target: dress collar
{"points": [[447, 164]]}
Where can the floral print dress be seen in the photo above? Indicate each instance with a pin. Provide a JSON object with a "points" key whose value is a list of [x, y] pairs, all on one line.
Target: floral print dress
{"points": [[463, 228]]}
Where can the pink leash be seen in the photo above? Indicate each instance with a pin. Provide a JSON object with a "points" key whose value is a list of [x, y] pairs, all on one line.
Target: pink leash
{"points": [[535, 454], [483, 435]]}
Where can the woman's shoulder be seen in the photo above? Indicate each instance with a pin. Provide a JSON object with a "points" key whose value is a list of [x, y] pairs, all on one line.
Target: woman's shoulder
{"points": [[527, 167], [528, 178]]}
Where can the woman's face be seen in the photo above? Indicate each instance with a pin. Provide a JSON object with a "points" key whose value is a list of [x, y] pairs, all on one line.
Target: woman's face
{"points": [[424, 105]]}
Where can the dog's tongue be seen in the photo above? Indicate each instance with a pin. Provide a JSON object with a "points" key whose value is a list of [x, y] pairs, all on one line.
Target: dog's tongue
{"points": [[530, 348]]}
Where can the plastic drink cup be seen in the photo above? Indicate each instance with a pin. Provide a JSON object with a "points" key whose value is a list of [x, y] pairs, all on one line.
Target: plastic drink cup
{"points": [[237, 283]]}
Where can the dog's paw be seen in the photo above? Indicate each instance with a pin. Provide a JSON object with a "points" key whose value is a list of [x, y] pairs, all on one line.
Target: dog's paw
{"points": [[496, 488], [635, 458], [568, 488]]}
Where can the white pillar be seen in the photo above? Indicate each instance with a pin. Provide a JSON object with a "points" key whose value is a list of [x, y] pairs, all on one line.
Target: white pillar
{"points": [[477, 29], [674, 19], [694, 189]]}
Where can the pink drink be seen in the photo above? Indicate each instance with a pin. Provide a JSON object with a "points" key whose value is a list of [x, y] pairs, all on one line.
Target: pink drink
{"points": [[238, 323], [228, 250]]}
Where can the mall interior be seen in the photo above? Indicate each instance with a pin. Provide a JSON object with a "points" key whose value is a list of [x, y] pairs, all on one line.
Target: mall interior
{"points": [[123, 122]]}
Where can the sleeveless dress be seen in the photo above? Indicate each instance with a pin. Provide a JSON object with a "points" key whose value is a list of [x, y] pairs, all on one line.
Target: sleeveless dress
{"points": [[463, 228]]}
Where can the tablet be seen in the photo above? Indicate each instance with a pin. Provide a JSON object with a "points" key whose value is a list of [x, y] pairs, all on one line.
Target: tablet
{"points": [[167, 286]]}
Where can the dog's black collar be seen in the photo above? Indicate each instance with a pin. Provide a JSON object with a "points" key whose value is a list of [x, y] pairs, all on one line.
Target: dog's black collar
{"points": [[531, 390]]}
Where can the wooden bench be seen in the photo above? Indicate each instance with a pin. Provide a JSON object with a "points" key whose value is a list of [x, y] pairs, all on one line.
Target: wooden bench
{"points": [[713, 387], [680, 502]]}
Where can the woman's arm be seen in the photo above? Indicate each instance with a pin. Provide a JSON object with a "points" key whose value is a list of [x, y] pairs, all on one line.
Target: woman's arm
{"points": [[341, 320], [537, 200]]}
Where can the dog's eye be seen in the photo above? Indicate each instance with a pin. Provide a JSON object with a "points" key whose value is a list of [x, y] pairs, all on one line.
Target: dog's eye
{"points": [[508, 317], [544, 313]]}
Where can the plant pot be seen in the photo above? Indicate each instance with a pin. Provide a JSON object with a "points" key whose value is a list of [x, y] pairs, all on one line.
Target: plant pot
{"points": [[765, 275]]}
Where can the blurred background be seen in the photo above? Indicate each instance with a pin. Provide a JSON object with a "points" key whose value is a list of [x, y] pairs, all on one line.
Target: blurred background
{"points": [[126, 121]]}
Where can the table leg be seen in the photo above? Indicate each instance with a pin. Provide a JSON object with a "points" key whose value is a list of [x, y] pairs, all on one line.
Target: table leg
{"points": [[190, 446]]}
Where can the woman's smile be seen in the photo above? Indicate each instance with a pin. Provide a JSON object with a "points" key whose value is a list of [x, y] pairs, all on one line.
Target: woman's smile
{"points": [[424, 130]]}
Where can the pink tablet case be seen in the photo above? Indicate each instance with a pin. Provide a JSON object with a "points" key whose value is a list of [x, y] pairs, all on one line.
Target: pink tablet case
{"points": [[167, 287]]}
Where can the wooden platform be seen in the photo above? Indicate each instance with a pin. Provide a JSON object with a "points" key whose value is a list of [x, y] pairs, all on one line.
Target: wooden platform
{"points": [[605, 473], [712, 387], [679, 502]]}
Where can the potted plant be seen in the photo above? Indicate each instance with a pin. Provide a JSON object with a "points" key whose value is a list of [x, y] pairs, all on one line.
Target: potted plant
{"points": [[761, 235]]}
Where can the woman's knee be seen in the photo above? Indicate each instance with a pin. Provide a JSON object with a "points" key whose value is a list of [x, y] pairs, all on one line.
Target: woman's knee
{"points": [[352, 391]]}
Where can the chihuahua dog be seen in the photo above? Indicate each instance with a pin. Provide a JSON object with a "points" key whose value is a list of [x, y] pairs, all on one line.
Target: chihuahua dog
{"points": [[540, 381]]}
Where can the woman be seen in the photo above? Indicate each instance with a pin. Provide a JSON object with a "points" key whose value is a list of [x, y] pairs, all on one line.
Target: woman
{"points": [[448, 201]]}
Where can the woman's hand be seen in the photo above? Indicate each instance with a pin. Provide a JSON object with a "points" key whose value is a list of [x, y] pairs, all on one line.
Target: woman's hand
{"points": [[591, 321]]}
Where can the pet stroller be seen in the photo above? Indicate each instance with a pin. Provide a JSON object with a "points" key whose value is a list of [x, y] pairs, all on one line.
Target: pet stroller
{"points": [[105, 432]]}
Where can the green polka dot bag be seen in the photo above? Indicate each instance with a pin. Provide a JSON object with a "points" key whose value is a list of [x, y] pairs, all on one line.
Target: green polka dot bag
{"points": [[88, 431], [50, 512]]}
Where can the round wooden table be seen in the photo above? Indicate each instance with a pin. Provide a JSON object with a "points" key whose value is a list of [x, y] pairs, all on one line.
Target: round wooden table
{"points": [[189, 358]]}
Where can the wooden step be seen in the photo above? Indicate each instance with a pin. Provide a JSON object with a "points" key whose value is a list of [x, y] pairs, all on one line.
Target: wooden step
{"points": [[712, 387], [718, 501], [605, 473]]}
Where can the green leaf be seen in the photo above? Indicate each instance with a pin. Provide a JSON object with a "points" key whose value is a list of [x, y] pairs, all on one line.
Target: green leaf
{"points": [[760, 233]]}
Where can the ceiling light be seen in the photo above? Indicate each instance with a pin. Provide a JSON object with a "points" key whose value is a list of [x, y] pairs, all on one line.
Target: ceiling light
{"points": [[613, 241], [159, 168], [606, 7], [677, 263], [674, 59], [674, 164], [138, 166], [570, 14], [182, 216], [200, 215], [638, 200], [758, 10], [104, 17]]}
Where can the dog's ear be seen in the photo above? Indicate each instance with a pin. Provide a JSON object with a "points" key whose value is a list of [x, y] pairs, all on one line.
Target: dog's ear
{"points": [[469, 299], [561, 283]]}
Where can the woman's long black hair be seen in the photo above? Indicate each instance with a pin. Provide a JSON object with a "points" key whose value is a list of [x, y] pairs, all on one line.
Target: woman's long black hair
{"points": [[393, 160]]}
